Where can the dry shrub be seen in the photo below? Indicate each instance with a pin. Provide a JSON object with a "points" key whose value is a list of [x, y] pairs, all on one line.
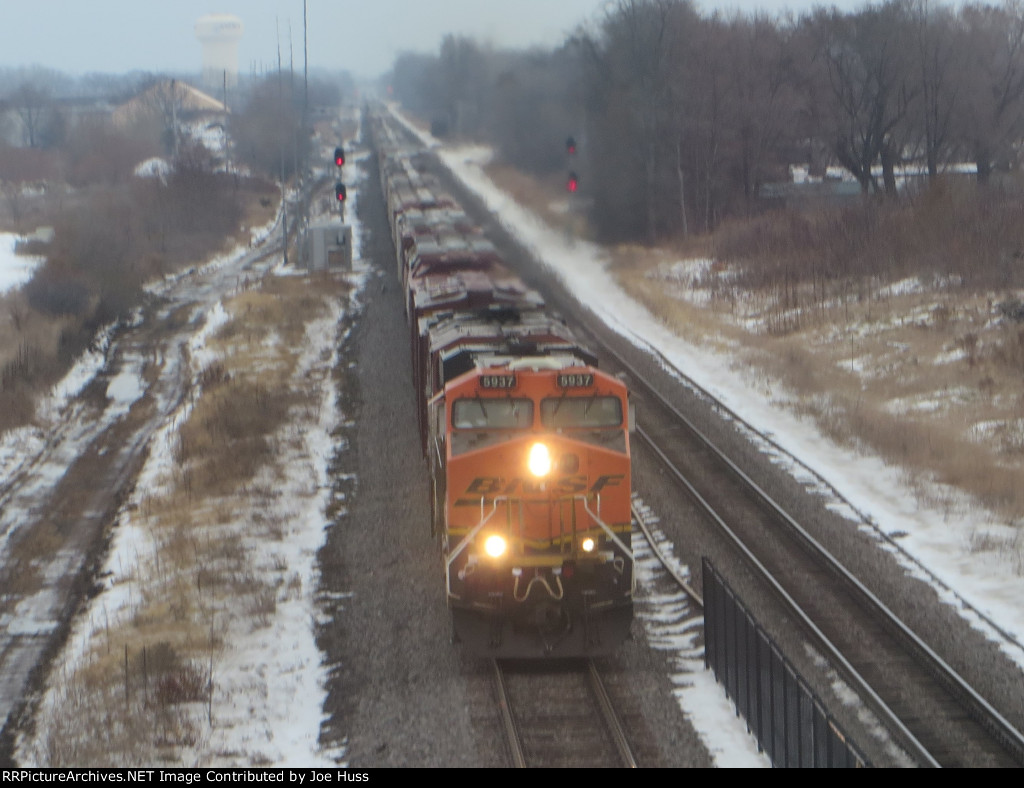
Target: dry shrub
{"points": [[35, 350], [17, 407], [214, 375], [174, 679], [1008, 349], [121, 713], [185, 684], [949, 229], [226, 439]]}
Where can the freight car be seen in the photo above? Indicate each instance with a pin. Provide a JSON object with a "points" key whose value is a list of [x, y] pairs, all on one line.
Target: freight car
{"points": [[526, 440]]}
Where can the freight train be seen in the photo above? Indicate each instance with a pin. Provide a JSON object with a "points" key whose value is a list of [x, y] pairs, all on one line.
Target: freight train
{"points": [[526, 440]]}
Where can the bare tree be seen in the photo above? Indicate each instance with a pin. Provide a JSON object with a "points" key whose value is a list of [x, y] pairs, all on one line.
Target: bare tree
{"points": [[99, 152], [762, 97], [629, 110], [992, 120], [164, 101], [870, 92], [463, 71], [34, 106], [534, 106], [19, 168], [268, 131], [939, 59]]}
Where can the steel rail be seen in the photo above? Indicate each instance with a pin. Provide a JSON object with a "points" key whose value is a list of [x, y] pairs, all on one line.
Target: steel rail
{"points": [[853, 676], [977, 706], [515, 741], [664, 561], [611, 719], [613, 725]]}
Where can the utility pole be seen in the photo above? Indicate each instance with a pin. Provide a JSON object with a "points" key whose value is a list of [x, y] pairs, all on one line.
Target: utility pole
{"points": [[284, 187], [227, 138], [305, 71], [174, 117]]}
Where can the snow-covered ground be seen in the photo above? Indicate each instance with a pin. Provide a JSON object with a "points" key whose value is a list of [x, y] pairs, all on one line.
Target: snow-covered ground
{"points": [[277, 671], [933, 544], [15, 269], [278, 668]]}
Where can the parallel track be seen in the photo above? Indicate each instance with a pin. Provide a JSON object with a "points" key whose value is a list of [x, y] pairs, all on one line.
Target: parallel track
{"points": [[932, 711]]}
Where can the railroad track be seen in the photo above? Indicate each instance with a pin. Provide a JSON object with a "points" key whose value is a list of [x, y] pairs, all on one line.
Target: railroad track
{"points": [[559, 715], [929, 709]]}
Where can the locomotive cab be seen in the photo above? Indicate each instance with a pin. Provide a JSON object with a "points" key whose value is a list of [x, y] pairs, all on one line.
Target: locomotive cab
{"points": [[534, 514]]}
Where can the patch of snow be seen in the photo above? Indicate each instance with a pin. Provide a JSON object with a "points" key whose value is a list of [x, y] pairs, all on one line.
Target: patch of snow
{"points": [[155, 167], [15, 269]]}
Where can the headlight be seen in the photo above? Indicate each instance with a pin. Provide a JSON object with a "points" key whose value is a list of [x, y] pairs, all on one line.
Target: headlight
{"points": [[588, 544], [495, 546], [540, 460]]}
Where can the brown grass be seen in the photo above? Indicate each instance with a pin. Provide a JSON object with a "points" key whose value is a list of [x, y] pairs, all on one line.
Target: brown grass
{"points": [[928, 379], [29, 358], [143, 691]]}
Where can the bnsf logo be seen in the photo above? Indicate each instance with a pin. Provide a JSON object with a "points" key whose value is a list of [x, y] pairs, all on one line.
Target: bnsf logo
{"points": [[490, 486]]}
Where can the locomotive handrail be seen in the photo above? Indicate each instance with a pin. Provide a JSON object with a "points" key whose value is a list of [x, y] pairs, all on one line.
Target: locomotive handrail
{"points": [[471, 535], [604, 526]]}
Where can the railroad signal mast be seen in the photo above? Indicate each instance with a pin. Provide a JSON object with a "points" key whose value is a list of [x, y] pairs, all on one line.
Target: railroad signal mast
{"points": [[340, 192], [572, 185], [573, 181]]}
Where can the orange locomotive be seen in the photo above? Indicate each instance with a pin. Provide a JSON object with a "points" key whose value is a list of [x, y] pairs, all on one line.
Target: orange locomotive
{"points": [[526, 440], [535, 528]]}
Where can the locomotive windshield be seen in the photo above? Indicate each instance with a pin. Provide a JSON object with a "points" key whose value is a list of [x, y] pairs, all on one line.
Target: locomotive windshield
{"points": [[580, 412], [492, 413]]}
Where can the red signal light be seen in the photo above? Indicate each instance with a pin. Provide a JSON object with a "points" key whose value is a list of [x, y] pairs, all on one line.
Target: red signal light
{"points": [[340, 193], [570, 145], [573, 183], [339, 156]]}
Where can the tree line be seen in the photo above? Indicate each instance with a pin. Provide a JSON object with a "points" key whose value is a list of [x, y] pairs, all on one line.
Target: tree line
{"points": [[681, 117], [115, 227]]}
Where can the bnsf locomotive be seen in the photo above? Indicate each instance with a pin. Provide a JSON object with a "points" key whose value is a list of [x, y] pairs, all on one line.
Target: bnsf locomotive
{"points": [[526, 440]]}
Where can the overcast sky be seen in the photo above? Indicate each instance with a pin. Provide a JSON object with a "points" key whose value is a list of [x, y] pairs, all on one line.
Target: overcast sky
{"points": [[362, 36]]}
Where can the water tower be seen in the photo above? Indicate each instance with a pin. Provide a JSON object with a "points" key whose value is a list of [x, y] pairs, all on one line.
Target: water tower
{"points": [[219, 34]]}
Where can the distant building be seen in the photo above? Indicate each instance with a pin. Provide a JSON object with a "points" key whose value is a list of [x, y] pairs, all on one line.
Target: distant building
{"points": [[178, 111], [167, 99]]}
